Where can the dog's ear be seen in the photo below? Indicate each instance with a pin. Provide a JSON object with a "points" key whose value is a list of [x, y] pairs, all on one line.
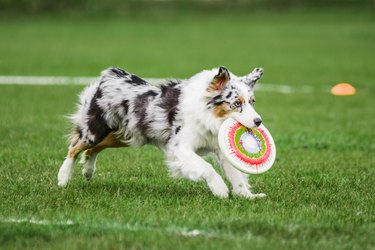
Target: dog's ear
{"points": [[252, 78], [220, 80]]}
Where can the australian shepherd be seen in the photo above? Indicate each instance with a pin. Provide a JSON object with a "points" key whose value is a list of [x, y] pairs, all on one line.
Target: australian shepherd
{"points": [[182, 118]]}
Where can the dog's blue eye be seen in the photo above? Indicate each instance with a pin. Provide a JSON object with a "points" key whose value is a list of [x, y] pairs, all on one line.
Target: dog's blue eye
{"points": [[237, 104]]}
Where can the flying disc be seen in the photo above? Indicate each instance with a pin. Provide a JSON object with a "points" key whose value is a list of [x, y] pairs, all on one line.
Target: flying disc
{"points": [[252, 151]]}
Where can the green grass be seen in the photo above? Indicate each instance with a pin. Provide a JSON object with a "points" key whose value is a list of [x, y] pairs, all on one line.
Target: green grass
{"points": [[320, 190]]}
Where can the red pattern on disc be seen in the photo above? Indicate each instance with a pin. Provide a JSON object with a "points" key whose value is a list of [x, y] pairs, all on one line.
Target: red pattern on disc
{"points": [[236, 152]]}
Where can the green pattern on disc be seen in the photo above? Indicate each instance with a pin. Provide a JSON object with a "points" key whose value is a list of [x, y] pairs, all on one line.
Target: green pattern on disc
{"points": [[237, 139]]}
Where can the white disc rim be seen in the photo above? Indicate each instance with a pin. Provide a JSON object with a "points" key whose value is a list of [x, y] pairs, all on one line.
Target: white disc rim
{"points": [[246, 168]]}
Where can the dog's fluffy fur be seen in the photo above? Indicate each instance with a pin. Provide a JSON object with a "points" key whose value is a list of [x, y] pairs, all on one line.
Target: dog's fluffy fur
{"points": [[180, 117]]}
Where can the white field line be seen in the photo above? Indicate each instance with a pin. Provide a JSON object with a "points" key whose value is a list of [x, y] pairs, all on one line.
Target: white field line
{"points": [[54, 80], [174, 230], [80, 80]]}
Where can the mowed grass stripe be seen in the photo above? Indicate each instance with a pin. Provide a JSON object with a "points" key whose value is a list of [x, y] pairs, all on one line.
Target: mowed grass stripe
{"points": [[116, 226], [312, 231]]}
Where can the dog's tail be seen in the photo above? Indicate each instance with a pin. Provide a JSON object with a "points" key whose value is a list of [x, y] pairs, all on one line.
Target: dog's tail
{"points": [[113, 73]]}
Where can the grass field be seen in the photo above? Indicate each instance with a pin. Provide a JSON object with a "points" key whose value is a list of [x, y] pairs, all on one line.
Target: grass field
{"points": [[320, 190]]}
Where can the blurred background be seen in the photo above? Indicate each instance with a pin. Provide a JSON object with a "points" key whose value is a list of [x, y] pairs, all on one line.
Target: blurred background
{"points": [[97, 7], [296, 41]]}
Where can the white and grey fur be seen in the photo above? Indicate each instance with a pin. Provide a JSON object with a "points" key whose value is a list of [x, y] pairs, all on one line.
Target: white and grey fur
{"points": [[182, 118]]}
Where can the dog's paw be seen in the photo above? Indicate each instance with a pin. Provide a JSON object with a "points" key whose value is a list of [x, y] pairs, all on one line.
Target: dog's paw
{"points": [[88, 172], [219, 188], [255, 196], [221, 193], [244, 192], [65, 172], [62, 183], [256, 74], [63, 178]]}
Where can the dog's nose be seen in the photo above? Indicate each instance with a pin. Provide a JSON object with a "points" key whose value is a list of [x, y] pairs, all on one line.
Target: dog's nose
{"points": [[257, 121]]}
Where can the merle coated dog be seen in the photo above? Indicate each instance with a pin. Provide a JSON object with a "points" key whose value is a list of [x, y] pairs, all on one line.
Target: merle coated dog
{"points": [[182, 118]]}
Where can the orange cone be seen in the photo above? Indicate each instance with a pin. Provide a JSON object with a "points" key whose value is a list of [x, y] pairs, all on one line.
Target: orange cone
{"points": [[343, 89]]}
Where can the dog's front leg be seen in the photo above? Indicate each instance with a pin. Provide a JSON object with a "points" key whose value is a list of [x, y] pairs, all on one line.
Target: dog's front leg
{"points": [[239, 180], [184, 162]]}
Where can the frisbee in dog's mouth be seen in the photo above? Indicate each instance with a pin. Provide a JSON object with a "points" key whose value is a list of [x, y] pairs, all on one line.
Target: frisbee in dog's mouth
{"points": [[252, 151]]}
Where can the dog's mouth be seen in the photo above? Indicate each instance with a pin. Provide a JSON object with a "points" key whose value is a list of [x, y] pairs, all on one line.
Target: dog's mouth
{"points": [[252, 126], [248, 121]]}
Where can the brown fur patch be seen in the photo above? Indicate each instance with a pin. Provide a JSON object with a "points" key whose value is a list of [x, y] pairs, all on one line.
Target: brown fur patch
{"points": [[110, 141], [78, 148], [242, 100], [221, 110]]}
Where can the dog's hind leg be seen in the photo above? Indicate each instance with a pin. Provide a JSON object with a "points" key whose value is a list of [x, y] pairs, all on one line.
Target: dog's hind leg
{"points": [[66, 169], [88, 160], [89, 156]]}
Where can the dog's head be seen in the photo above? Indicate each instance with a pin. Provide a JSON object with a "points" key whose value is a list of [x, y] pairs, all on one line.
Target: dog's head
{"points": [[232, 96]]}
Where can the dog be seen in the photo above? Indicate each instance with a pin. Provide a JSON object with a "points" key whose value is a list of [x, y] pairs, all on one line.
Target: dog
{"points": [[182, 118]]}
